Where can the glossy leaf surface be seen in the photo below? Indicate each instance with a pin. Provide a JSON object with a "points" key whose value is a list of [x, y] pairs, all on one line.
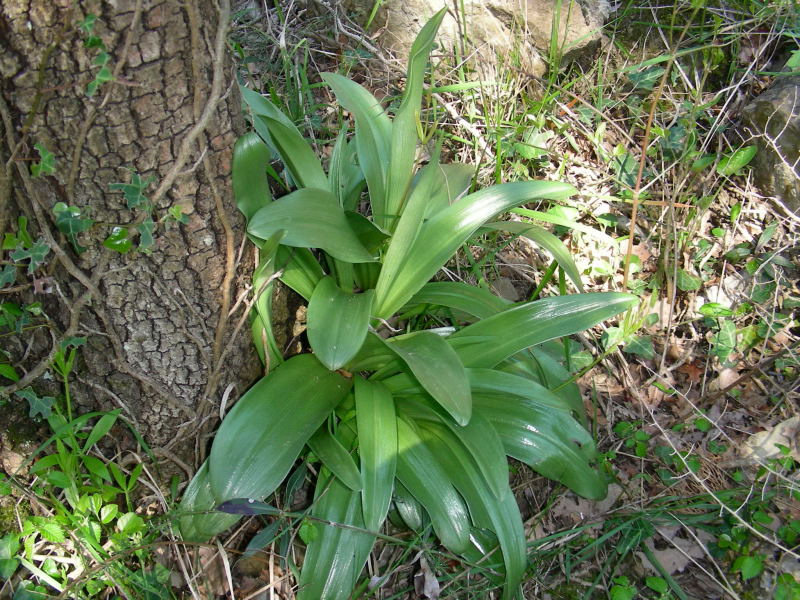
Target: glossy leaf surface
{"points": [[497, 512], [200, 522], [337, 323], [263, 434], [334, 559], [442, 235], [334, 456], [549, 440], [312, 218], [423, 476], [438, 369], [377, 447], [535, 322], [250, 183]]}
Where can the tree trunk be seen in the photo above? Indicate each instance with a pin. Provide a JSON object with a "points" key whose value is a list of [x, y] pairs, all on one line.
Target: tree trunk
{"points": [[158, 320]]}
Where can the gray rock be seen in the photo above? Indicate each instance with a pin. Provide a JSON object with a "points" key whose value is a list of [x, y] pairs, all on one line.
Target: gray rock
{"points": [[518, 30], [773, 118]]}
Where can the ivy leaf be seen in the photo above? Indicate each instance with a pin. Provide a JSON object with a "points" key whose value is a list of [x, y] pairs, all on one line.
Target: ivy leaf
{"points": [[134, 191], [91, 88], [118, 240], [688, 282], [146, 240], [38, 406], [104, 75], [8, 275], [175, 213], [641, 346], [88, 23], [46, 164], [70, 223], [101, 59], [36, 254], [646, 78]]}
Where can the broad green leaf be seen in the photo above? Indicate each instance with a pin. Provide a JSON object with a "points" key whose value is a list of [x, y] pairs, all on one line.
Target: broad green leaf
{"points": [[334, 559], [312, 219], [549, 440], [491, 381], [301, 271], [478, 438], [374, 356], [735, 162], [443, 234], [541, 364], [250, 183], [299, 158], [420, 472], [346, 178], [470, 299], [404, 127], [263, 434], [377, 447], [409, 509], [499, 513], [546, 240], [536, 322], [457, 181], [370, 235], [198, 521], [438, 369], [373, 138], [407, 229], [279, 132], [334, 456], [337, 323]]}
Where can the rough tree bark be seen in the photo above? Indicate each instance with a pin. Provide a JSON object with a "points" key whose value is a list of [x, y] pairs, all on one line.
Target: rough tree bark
{"points": [[160, 326]]}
